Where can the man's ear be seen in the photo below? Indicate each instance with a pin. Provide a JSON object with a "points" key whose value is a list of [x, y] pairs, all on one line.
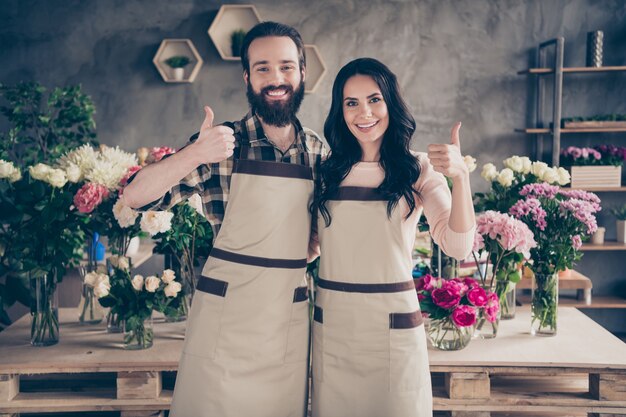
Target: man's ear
{"points": [[303, 73], [246, 78]]}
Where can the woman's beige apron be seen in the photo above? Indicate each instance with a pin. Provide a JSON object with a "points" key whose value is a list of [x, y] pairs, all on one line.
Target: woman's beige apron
{"points": [[369, 344], [246, 346]]}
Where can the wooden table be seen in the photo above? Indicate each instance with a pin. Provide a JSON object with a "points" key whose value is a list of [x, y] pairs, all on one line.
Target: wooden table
{"points": [[581, 371]]}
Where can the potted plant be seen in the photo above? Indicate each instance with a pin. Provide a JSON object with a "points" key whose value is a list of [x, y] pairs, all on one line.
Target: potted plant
{"points": [[178, 64], [600, 166], [620, 215], [236, 41]]}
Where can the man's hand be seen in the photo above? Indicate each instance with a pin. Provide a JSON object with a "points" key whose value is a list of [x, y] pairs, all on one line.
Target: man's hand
{"points": [[214, 144]]}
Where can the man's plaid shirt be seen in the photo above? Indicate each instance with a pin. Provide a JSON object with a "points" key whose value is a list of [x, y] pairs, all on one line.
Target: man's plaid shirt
{"points": [[212, 181]]}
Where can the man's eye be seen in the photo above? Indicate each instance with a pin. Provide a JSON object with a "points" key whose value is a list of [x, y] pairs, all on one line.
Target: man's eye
{"points": [[288, 68], [261, 69]]}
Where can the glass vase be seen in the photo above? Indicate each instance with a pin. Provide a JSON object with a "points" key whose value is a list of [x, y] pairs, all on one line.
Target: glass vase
{"points": [[544, 304], [138, 333], [181, 311], [442, 265], [506, 294], [44, 310], [115, 323], [89, 309], [443, 334], [486, 329]]}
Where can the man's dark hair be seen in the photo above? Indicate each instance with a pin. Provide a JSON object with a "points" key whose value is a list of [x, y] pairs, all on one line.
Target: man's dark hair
{"points": [[266, 29]]}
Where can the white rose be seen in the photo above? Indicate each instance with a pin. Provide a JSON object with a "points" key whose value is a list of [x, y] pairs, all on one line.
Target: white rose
{"points": [[526, 164], [73, 173], [470, 163], [56, 178], [515, 163], [154, 222], [505, 178], [113, 260], [152, 283], [15, 176], [195, 201], [172, 289], [91, 279], [538, 168], [123, 263], [124, 215], [550, 175], [489, 172], [168, 276], [103, 279], [39, 171], [137, 282], [8, 171], [564, 177], [101, 290]]}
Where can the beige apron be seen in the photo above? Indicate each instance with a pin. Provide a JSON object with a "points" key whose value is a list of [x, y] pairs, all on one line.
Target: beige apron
{"points": [[246, 346], [369, 345]]}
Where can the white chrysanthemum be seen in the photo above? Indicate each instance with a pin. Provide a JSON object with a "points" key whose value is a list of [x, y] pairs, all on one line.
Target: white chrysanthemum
{"points": [[124, 215], [505, 177], [172, 289], [195, 201], [564, 176], [168, 276], [470, 162], [39, 171], [106, 173], [154, 222], [119, 157], [56, 178], [489, 172], [8, 171], [73, 173], [83, 157], [152, 283]]}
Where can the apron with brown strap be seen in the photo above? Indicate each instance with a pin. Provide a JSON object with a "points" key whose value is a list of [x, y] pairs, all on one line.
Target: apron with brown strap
{"points": [[369, 346], [246, 346]]}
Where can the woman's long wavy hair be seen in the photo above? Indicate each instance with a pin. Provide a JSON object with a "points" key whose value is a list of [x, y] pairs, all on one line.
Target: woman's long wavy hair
{"points": [[401, 167]]}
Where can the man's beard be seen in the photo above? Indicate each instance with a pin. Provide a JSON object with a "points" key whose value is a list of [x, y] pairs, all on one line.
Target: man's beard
{"points": [[276, 113]]}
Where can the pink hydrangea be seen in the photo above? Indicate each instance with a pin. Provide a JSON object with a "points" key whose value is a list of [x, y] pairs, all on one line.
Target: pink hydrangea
{"points": [[510, 233], [89, 196], [464, 316], [157, 153]]}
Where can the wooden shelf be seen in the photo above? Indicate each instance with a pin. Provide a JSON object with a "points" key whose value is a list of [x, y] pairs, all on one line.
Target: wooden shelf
{"points": [[597, 189], [315, 68], [534, 131], [229, 18], [177, 47], [572, 70], [573, 281], [606, 246]]}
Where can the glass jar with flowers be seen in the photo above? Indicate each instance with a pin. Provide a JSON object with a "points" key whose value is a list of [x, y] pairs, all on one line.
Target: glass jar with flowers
{"points": [[507, 242], [560, 220], [452, 307]]}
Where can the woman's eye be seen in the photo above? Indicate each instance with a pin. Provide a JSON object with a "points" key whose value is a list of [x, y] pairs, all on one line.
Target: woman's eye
{"points": [[375, 100], [351, 103]]}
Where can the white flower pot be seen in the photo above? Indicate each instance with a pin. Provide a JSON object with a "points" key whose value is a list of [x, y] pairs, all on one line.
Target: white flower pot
{"points": [[178, 73], [133, 247], [621, 231]]}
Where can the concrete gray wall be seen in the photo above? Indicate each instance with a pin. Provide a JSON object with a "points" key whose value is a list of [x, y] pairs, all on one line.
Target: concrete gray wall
{"points": [[456, 60]]}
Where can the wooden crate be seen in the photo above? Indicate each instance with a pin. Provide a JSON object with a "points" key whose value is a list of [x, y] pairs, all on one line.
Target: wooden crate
{"points": [[595, 176]]}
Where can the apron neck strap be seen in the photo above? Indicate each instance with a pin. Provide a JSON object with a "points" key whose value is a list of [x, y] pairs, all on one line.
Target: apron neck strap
{"points": [[244, 141]]}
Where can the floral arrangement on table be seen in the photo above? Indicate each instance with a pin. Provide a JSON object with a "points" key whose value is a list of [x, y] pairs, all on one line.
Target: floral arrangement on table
{"points": [[453, 307], [507, 183], [560, 220], [507, 242], [598, 155], [134, 299]]}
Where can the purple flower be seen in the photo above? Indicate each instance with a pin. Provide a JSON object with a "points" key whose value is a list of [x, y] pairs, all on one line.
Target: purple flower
{"points": [[576, 242]]}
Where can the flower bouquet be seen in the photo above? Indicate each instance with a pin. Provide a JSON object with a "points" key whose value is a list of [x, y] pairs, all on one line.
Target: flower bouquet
{"points": [[507, 242], [507, 183], [452, 307], [559, 221]]}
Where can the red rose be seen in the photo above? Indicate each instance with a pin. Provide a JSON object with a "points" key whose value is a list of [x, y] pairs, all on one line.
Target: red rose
{"points": [[477, 296], [464, 316], [446, 297]]}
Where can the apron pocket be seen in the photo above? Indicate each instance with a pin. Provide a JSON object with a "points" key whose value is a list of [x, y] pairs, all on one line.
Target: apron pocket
{"points": [[318, 344], [298, 333], [408, 356], [203, 326]]}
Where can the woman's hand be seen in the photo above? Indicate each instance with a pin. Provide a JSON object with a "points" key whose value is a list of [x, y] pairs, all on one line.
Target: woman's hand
{"points": [[447, 158]]}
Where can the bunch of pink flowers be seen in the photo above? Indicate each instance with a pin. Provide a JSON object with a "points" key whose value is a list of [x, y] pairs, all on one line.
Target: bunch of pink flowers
{"points": [[598, 155], [458, 299]]}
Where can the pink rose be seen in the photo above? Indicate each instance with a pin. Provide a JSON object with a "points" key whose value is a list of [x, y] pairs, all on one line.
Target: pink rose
{"points": [[460, 284], [156, 154], [447, 297], [464, 316], [89, 196], [492, 308], [131, 171], [470, 282], [477, 296], [429, 282]]}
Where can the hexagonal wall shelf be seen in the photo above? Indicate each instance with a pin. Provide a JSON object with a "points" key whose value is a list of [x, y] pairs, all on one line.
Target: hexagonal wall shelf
{"points": [[177, 47], [315, 68], [230, 18]]}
